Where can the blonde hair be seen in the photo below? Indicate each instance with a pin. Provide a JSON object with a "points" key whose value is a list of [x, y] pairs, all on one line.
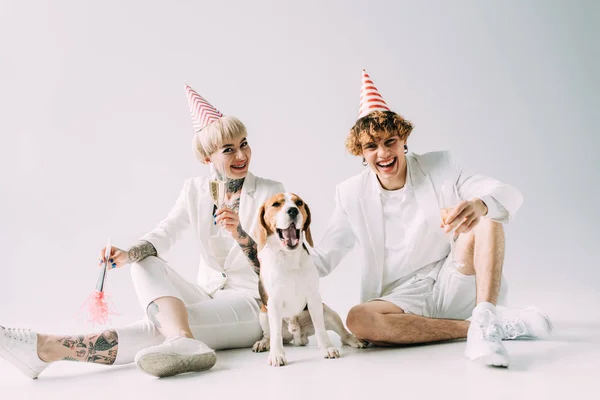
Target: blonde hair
{"points": [[215, 135], [377, 125]]}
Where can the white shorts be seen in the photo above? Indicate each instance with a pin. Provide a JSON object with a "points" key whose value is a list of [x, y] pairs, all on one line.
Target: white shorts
{"points": [[451, 296]]}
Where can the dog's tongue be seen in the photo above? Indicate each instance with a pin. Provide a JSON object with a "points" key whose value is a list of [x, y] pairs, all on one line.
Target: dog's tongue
{"points": [[289, 235]]}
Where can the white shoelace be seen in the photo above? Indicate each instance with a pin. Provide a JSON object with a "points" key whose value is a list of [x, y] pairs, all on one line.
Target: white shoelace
{"points": [[514, 329], [490, 328], [22, 335]]}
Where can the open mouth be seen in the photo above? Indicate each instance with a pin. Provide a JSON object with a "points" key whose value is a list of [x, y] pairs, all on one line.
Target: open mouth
{"points": [[240, 166], [388, 164], [289, 237]]}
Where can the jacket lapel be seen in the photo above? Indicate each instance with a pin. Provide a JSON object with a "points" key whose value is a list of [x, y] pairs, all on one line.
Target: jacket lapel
{"points": [[373, 218], [247, 203], [425, 193], [205, 220]]}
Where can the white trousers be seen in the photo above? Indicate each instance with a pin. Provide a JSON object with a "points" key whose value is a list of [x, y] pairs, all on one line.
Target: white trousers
{"points": [[227, 320]]}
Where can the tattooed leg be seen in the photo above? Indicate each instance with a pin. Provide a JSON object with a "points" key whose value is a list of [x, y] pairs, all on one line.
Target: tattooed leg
{"points": [[100, 348], [141, 250], [170, 316]]}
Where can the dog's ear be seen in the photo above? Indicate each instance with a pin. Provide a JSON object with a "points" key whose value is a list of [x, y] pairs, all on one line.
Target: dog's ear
{"points": [[306, 227], [262, 230]]}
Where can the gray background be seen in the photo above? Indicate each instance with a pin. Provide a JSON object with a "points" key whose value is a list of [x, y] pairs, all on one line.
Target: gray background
{"points": [[96, 134]]}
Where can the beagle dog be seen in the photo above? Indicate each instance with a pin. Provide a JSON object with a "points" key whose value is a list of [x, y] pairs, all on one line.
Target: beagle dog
{"points": [[292, 308]]}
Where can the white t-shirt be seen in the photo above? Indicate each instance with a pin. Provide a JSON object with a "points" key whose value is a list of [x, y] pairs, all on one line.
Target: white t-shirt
{"points": [[400, 219], [405, 233]]}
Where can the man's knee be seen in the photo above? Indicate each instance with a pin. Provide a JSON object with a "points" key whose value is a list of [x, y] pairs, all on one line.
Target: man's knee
{"points": [[361, 322], [355, 319]]}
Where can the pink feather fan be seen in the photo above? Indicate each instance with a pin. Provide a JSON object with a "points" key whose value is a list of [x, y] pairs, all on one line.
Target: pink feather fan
{"points": [[97, 305]]}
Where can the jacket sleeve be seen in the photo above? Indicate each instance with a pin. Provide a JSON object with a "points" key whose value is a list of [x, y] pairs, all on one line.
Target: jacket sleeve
{"points": [[170, 229], [277, 188], [502, 200], [337, 241]]}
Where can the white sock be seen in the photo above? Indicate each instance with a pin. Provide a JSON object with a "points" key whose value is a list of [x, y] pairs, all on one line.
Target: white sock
{"points": [[481, 308]]}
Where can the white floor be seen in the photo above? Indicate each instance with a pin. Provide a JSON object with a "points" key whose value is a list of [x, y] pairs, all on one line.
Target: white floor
{"points": [[568, 366]]}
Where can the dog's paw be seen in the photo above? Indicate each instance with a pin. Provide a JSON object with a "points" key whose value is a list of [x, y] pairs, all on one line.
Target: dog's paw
{"points": [[332, 352], [293, 325], [277, 358], [300, 340], [352, 341], [261, 345]]}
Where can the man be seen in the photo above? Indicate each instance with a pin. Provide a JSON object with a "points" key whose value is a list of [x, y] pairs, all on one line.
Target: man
{"points": [[424, 278]]}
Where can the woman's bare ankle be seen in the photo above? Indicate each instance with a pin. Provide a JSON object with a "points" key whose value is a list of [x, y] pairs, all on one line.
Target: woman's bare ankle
{"points": [[44, 348]]}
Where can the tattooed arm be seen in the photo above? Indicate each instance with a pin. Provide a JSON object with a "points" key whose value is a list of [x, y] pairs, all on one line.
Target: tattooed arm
{"points": [[141, 250], [249, 248]]}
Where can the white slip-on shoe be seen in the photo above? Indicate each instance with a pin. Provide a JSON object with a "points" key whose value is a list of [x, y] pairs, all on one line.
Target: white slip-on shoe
{"points": [[176, 356], [484, 338], [19, 347], [525, 323]]}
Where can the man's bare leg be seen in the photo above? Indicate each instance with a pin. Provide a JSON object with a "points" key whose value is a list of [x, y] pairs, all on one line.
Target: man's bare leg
{"points": [[481, 252], [384, 323], [488, 259], [100, 348]]}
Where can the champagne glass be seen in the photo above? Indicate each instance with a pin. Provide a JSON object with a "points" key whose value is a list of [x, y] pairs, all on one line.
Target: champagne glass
{"points": [[448, 199], [217, 188]]}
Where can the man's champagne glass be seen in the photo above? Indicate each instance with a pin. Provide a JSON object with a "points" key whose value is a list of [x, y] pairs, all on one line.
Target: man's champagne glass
{"points": [[449, 199]]}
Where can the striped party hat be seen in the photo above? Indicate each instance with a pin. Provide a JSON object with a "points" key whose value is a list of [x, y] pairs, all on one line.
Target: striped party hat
{"points": [[370, 99], [203, 113]]}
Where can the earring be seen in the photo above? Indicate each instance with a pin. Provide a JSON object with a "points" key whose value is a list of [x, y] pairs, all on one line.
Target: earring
{"points": [[405, 149], [364, 162]]}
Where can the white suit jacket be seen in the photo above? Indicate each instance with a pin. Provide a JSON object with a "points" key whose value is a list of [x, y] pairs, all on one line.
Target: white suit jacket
{"points": [[358, 217], [193, 209]]}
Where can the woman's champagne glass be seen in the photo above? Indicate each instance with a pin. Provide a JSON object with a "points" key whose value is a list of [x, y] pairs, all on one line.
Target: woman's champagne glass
{"points": [[217, 188]]}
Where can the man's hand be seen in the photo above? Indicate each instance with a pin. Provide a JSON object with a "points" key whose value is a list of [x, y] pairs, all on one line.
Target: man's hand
{"points": [[465, 216]]}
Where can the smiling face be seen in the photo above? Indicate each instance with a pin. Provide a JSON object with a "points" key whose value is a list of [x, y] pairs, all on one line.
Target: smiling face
{"points": [[233, 158], [379, 138], [284, 216], [386, 158]]}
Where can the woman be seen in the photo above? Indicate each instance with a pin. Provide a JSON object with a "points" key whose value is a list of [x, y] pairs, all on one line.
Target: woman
{"points": [[186, 321]]}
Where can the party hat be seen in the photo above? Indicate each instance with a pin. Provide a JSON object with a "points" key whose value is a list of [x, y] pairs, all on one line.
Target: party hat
{"points": [[370, 99]]}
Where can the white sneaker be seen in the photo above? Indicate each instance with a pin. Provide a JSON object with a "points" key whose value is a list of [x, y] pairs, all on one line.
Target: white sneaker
{"points": [[19, 347], [176, 356], [484, 338], [526, 323]]}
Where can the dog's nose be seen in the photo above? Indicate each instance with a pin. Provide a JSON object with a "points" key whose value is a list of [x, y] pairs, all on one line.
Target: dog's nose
{"points": [[292, 212]]}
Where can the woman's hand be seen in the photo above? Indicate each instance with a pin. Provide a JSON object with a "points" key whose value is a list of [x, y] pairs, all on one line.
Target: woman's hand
{"points": [[230, 221], [117, 259]]}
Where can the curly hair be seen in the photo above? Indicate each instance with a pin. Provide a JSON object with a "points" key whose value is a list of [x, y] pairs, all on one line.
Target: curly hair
{"points": [[378, 125]]}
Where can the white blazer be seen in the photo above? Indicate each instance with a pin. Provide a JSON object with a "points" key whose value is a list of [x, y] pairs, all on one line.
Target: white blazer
{"points": [[194, 209], [358, 216]]}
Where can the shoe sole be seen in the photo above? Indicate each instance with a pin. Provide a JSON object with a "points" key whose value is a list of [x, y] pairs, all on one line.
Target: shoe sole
{"points": [[20, 365], [550, 326], [169, 364], [492, 360]]}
